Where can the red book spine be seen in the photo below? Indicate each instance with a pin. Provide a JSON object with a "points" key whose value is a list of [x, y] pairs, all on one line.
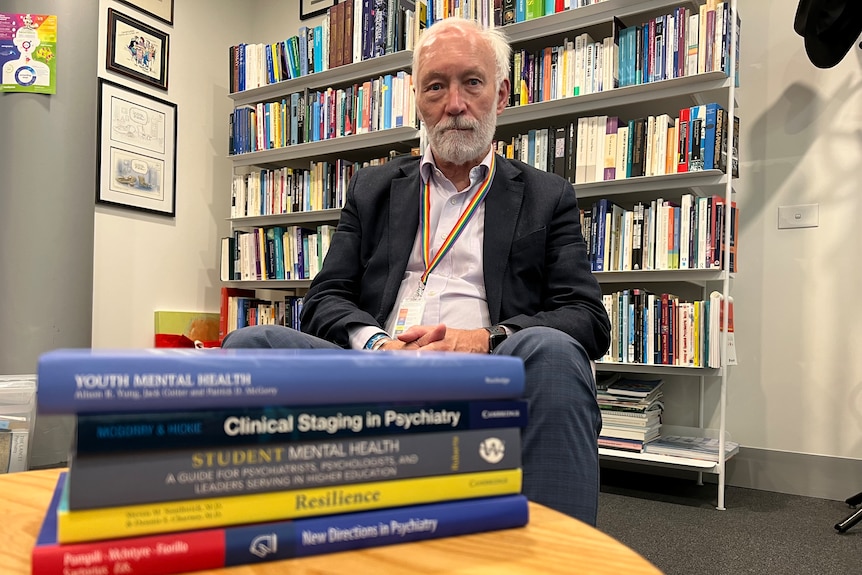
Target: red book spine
{"points": [[156, 555]]}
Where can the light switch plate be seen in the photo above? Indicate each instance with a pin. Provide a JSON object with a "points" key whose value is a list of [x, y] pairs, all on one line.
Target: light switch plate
{"points": [[801, 216]]}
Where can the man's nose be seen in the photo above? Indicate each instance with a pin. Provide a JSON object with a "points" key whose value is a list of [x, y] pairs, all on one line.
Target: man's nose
{"points": [[455, 101]]}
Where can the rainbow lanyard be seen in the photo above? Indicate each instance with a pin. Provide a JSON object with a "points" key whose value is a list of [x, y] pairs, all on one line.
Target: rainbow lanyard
{"points": [[460, 225]]}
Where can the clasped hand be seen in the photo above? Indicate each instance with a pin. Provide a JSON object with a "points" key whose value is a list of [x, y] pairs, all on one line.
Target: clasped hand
{"points": [[440, 338]]}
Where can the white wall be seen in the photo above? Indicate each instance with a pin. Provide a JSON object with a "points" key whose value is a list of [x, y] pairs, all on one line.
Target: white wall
{"points": [[799, 384], [798, 387], [144, 263]]}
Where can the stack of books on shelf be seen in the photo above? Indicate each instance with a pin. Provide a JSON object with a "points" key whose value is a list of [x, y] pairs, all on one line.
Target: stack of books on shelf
{"points": [[631, 412], [198, 459], [703, 448]]}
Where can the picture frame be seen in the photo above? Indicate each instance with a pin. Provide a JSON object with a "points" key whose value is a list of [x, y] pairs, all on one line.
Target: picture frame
{"points": [[137, 51], [159, 9], [137, 150], [311, 8]]}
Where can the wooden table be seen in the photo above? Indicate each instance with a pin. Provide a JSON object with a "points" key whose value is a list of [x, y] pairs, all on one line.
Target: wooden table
{"points": [[551, 543]]}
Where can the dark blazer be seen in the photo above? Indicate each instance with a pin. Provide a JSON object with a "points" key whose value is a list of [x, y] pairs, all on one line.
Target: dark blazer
{"points": [[535, 260]]}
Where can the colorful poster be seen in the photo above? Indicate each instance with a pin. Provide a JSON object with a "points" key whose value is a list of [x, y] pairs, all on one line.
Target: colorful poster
{"points": [[28, 53]]}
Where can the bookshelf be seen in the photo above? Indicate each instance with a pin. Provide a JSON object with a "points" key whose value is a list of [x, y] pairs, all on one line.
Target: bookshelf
{"points": [[630, 101]]}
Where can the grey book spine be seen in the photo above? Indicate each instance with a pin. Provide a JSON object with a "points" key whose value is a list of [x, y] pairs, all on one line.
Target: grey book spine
{"points": [[180, 474]]}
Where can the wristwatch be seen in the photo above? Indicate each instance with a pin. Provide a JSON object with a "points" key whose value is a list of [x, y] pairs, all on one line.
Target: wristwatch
{"points": [[497, 334]]}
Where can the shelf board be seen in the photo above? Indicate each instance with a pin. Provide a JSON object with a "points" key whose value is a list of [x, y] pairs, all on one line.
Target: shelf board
{"points": [[696, 277], [293, 218], [700, 182], [269, 284], [658, 460], [657, 369], [347, 74], [381, 139]]}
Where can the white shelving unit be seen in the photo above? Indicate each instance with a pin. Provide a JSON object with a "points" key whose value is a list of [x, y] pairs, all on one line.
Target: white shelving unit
{"points": [[665, 96]]}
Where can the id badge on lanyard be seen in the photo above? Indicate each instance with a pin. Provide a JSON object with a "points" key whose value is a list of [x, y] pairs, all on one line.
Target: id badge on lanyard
{"points": [[412, 307]]}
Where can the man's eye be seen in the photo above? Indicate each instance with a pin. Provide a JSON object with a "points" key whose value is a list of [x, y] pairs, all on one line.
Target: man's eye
{"points": [[434, 87], [474, 82]]}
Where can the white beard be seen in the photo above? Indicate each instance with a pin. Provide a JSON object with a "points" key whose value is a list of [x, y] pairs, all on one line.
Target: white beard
{"points": [[457, 146]]}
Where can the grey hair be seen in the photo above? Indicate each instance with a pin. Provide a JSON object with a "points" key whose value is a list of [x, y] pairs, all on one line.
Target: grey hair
{"points": [[495, 38]]}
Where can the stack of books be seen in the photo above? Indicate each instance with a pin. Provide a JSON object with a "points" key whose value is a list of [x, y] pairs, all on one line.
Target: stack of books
{"points": [[631, 412], [703, 448], [198, 459]]}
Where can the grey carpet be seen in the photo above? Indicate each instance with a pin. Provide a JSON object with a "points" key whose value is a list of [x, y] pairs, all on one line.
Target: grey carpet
{"points": [[674, 524]]}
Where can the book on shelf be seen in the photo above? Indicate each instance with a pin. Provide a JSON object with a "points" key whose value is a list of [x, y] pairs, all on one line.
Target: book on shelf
{"points": [[169, 474], [622, 444], [131, 520], [106, 433], [704, 448], [180, 552], [631, 418], [85, 380], [631, 387]]}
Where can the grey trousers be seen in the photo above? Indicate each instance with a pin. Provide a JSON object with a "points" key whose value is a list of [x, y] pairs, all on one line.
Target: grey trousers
{"points": [[560, 443]]}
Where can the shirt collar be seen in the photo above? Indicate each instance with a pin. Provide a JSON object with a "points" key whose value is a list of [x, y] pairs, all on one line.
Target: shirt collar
{"points": [[428, 167]]}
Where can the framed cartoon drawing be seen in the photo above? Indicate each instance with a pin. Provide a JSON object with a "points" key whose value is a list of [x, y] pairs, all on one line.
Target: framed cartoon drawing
{"points": [[137, 151], [137, 50]]}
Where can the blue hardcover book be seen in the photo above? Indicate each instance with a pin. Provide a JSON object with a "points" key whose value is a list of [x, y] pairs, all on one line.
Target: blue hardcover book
{"points": [[387, 101], [270, 71], [318, 48], [520, 10], [87, 381], [708, 144], [185, 551], [242, 50], [100, 433], [303, 50]]}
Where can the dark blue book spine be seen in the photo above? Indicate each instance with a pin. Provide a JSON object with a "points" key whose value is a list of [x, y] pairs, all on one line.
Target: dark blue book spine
{"points": [[373, 529], [122, 381], [162, 475], [97, 433], [275, 541]]}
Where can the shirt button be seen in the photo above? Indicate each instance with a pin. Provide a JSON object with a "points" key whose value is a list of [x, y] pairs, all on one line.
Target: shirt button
{"points": [[453, 201]]}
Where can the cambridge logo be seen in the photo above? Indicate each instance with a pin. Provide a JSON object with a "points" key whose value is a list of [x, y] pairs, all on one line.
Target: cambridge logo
{"points": [[492, 450]]}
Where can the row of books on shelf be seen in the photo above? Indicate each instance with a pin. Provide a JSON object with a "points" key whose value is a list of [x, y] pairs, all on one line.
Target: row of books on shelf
{"points": [[351, 31], [314, 115], [275, 253], [632, 408], [611, 148], [680, 446], [661, 329], [661, 234], [241, 307], [607, 148], [682, 43], [260, 455]]}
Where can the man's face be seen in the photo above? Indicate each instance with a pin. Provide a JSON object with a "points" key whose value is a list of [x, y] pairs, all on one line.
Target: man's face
{"points": [[458, 97]]}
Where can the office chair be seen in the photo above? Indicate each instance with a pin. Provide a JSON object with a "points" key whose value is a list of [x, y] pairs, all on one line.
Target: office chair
{"points": [[854, 517]]}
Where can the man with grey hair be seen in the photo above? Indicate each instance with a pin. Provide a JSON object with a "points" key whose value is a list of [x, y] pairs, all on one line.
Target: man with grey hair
{"points": [[502, 269]]}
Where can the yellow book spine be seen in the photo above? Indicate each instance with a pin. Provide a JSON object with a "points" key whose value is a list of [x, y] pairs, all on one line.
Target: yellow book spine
{"points": [[165, 517]]}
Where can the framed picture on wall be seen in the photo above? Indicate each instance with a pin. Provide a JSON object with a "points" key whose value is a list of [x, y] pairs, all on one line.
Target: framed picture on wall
{"points": [[310, 8], [137, 150], [137, 50], [159, 9]]}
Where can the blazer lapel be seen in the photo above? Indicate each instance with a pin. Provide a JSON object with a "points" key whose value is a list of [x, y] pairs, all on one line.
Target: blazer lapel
{"points": [[403, 223], [502, 207]]}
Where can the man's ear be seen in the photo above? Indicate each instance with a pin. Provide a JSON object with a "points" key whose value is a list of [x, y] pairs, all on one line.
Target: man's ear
{"points": [[503, 96]]}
